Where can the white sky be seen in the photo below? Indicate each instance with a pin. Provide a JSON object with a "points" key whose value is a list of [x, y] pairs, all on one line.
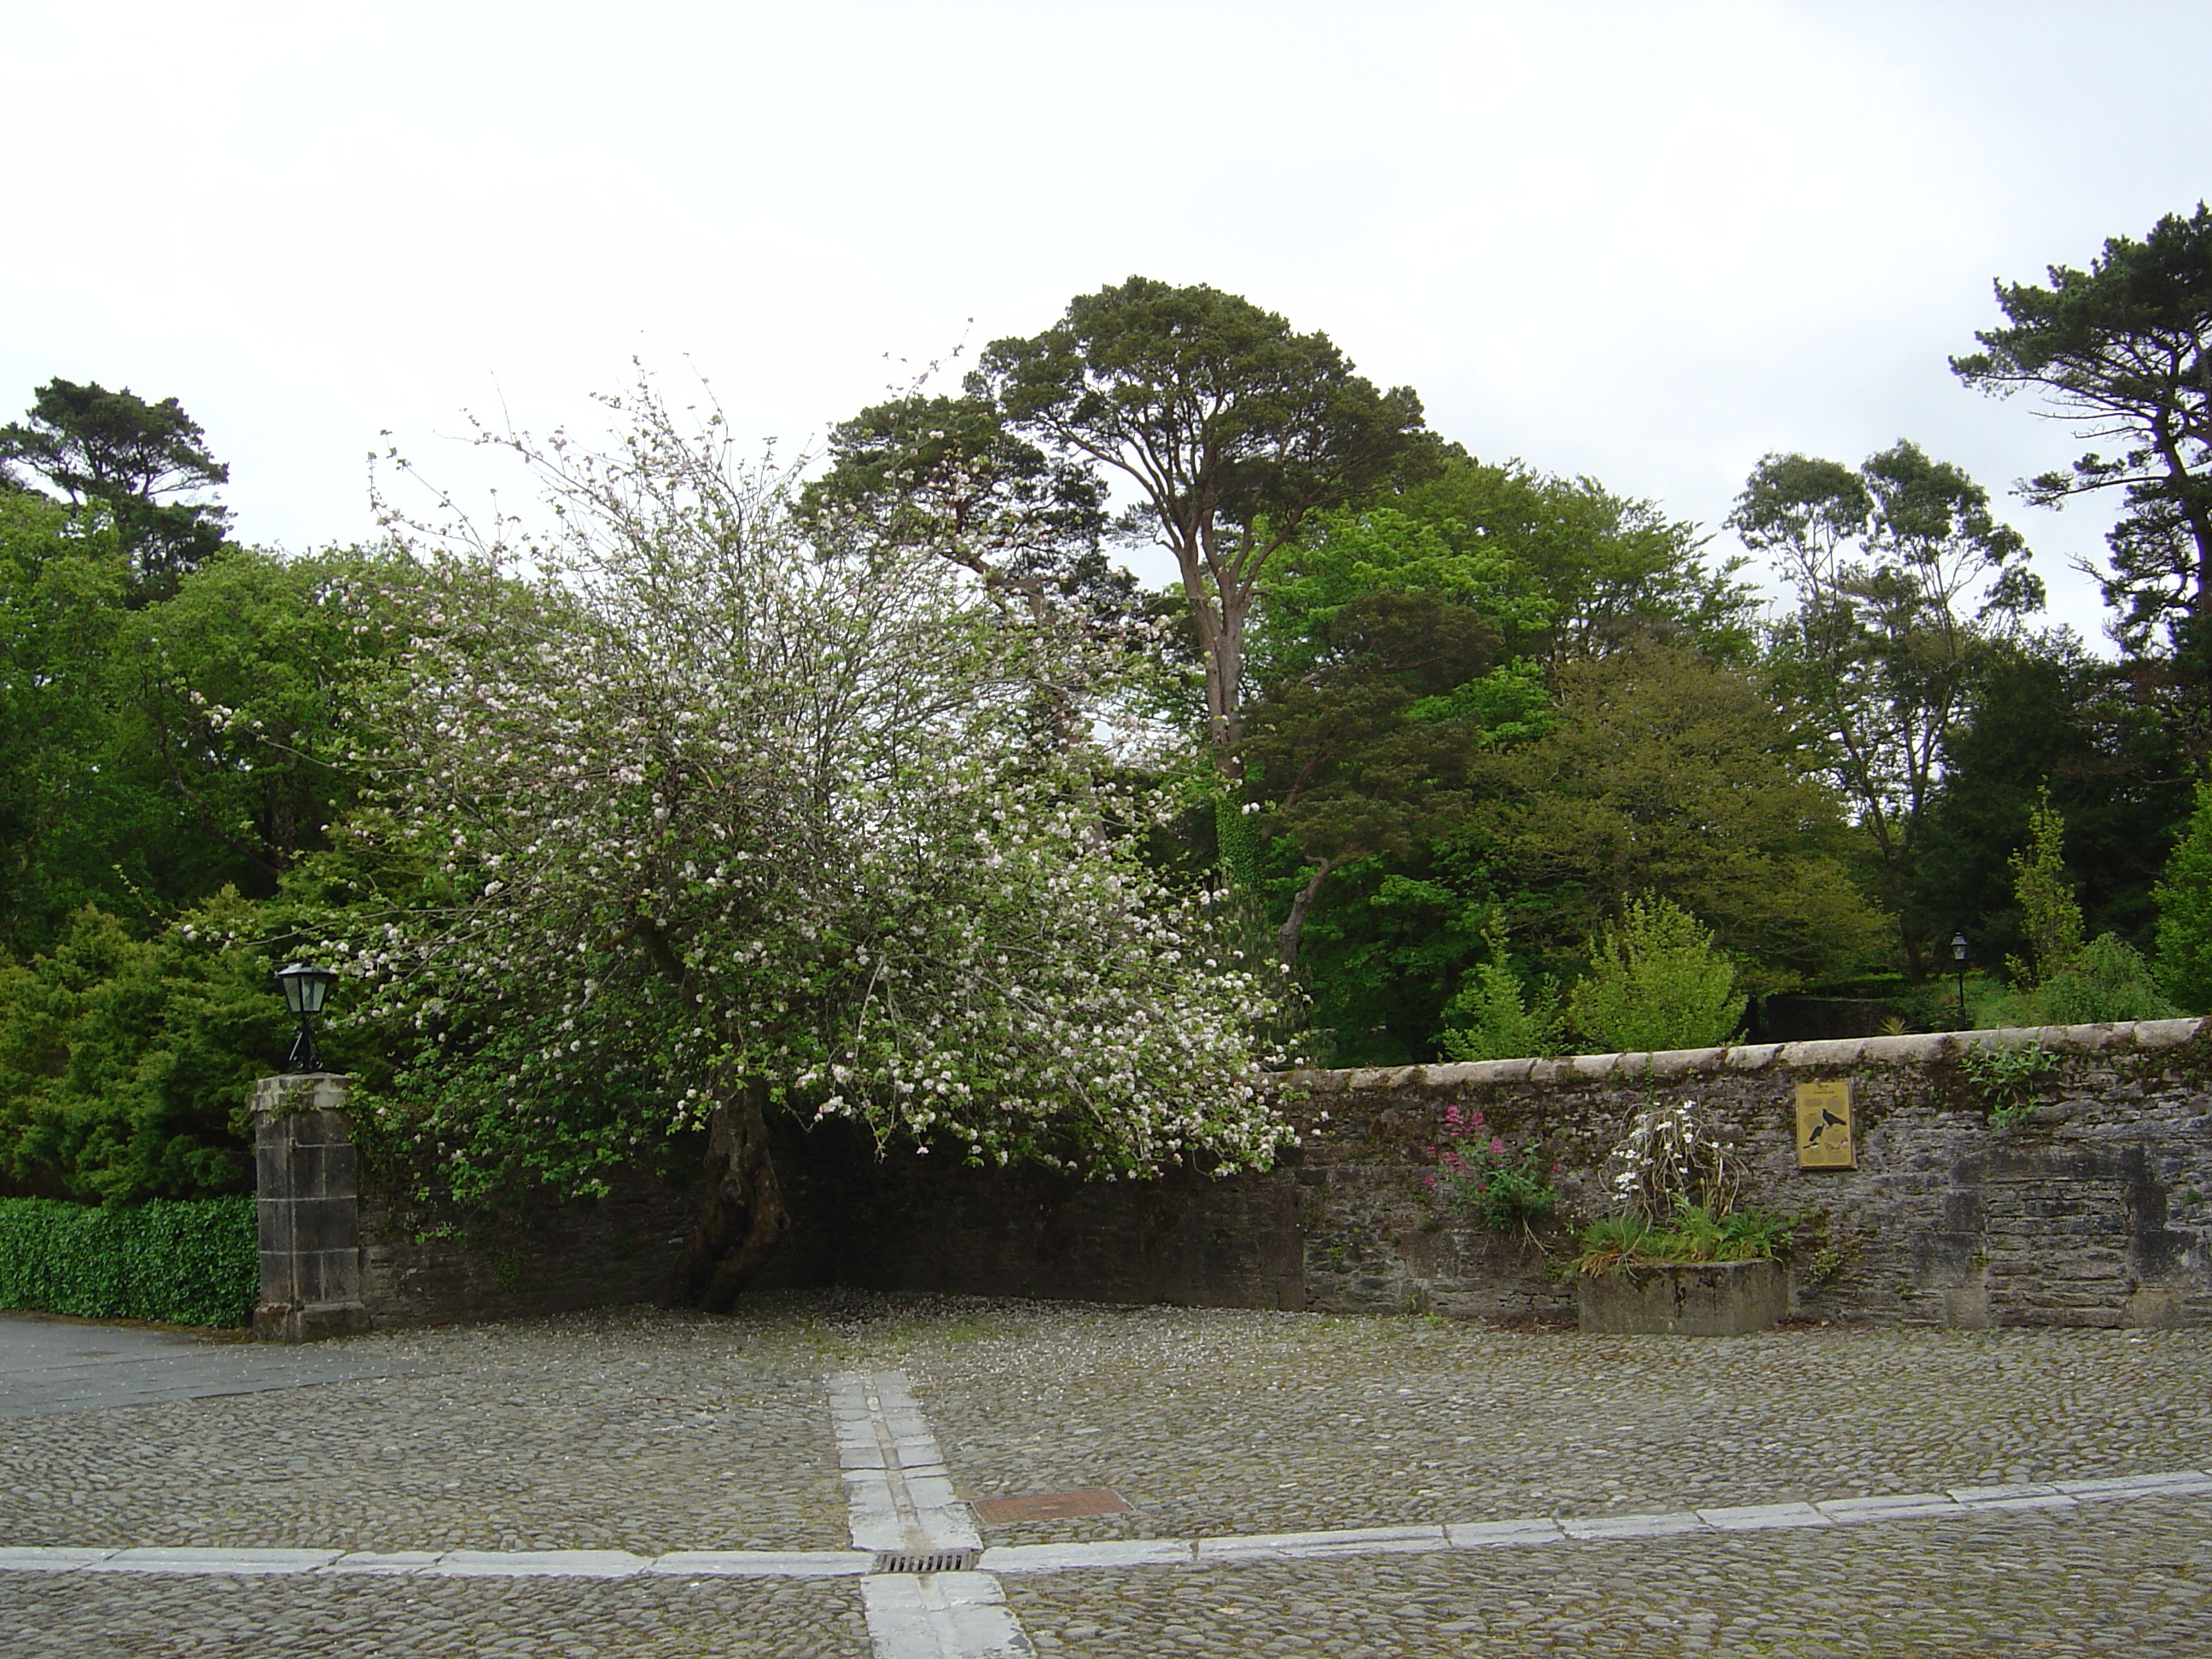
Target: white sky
{"points": [[1648, 242]]}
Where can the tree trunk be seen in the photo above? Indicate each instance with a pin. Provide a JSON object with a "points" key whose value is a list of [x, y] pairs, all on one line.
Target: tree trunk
{"points": [[1286, 938], [744, 1218]]}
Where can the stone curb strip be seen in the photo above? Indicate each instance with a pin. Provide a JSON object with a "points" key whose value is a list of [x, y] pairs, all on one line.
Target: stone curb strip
{"points": [[952, 1592], [920, 1599]]}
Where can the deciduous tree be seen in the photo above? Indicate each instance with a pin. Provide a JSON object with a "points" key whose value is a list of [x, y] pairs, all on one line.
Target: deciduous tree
{"points": [[1903, 578], [1365, 752], [1671, 776], [735, 823]]}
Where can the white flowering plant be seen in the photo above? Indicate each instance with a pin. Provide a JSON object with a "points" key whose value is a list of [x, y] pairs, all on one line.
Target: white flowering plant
{"points": [[1668, 1158], [1677, 1184], [712, 813]]}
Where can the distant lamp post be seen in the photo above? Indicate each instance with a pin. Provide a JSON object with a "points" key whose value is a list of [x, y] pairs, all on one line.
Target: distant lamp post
{"points": [[305, 987], [1959, 960]]}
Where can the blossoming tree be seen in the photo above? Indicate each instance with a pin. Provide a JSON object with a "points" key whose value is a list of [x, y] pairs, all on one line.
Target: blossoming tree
{"points": [[722, 819]]}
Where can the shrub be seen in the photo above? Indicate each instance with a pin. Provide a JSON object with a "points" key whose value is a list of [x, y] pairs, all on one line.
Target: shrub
{"points": [[181, 1263], [2106, 979], [1493, 1018], [2049, 914], [1656, 982], [1694, 1233], [2007, 1079], [1478, 1177], [2185, 912], [126, 1063]]}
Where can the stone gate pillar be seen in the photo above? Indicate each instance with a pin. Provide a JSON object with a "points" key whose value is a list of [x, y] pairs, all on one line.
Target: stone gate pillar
{"points": [[308, 1203]]}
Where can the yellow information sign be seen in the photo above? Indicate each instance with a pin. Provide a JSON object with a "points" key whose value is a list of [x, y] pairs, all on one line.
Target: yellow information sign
{"points": [[1823, 1126]]}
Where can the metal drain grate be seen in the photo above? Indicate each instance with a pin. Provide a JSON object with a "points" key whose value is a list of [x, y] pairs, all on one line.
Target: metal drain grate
{"points": [[932, 1561]]}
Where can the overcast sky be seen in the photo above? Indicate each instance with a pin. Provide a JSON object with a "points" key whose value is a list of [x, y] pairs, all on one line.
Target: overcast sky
{"points": [[1648, 242]]}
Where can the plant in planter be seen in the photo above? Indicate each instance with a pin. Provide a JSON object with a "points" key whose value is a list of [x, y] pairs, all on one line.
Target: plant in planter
{"points": [[1680, 1257], [1477, 1176]]}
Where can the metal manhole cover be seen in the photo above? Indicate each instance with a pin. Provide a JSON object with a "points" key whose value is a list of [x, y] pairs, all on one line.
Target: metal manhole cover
{"points": [[928, 1561], [1048, 1506]]}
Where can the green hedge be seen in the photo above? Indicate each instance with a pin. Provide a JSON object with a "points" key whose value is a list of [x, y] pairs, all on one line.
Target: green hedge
{"points": [[189, 1261]]}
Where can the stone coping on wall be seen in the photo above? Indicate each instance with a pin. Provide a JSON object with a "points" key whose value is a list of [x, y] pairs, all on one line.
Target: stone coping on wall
{"points": [[1915, 1049]]}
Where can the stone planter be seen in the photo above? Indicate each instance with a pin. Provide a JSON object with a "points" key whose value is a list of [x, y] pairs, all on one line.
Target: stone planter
{"points": [[1684, 1298]]}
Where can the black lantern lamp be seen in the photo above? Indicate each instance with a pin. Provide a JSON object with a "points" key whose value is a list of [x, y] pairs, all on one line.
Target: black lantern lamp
{"points": [[305, 987], [1958, 962]]}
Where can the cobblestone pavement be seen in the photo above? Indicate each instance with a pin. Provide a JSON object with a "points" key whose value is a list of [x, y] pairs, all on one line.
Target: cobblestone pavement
{"points": [[630, 1430], [137, 1616], [652, 1431], [1218, 1421], [2094, 1582]]}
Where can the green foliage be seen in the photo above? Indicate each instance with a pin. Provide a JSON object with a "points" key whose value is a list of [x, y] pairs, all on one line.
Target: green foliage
{"points": [[1905, 584], [116, 451], [1492, 1017], [945, 474], [126, 1063], [2050, 916], [1480, 1178], [1572, 570], [1346, 770], [1668, 774], [2065, 983], [1353, 554], [2185, 911], [2119, 351], [1693, 1233], [1655, 981], [1232, 428], [2046, 716], [1566, 573], [187, 1263], [2006, 1079], [2108, 979], [153, 756]]}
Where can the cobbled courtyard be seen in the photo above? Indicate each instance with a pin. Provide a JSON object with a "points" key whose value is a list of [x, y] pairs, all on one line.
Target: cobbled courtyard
{"points": [[1549, 1493]]}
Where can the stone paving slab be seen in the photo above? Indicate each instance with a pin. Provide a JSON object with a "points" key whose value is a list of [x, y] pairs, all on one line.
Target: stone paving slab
{"points": [[49, 1363], [1996, 1585]]}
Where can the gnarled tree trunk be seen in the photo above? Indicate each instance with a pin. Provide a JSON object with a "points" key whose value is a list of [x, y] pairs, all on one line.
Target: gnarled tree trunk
{"points": [[744, 1218]]}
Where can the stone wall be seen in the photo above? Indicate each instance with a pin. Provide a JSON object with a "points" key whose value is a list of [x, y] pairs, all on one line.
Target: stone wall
{"points": [[345, 1248], [2092, 1211], [922, 1222], [2095, 1210], [443, 1264]]}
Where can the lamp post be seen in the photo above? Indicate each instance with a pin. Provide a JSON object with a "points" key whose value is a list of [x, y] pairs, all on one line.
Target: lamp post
{"points": [[1958, 960], [305, 987]]}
